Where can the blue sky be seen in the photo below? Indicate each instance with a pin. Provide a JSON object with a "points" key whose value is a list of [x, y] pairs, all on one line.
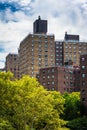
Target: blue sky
{"points": [[17, 17]]}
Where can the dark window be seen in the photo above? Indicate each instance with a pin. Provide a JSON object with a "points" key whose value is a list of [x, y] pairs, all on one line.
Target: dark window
{"points": [[83, 99], [14, 58], [83, 91], [43, 71]]}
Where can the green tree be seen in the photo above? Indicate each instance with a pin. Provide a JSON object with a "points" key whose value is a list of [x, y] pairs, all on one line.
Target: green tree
{"points": [[72, 105], [78, 124], [5, 86], [5, 125], [26, 105]]}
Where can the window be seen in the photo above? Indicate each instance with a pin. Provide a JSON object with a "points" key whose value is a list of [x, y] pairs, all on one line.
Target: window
{"points": [[83, 67], [83, 59], [43, 71], [66, 77], [83, 83], [57, 50], [39, 63], [46, 64], [52, 82], [52, 88], [48, 83], [39, 50], [51, 46], [32, 63], [48, 71], [45, 36], [66, 46], [57, 46], [39, 55], [39, 36], [52, 70], [52, 76], [48, 76], [46, 50], [57, 43], [14, 58], [46, 55], [39, 59], [32, 72], [32, 58], [14, 69], [44, 83], [60, 43], [83, 91], [32, 68], [83, 99], [32, 35], [83, 75], [57, 63], [51, 36], [45, 41], [43, 77], [39, 45], [74, 47]]}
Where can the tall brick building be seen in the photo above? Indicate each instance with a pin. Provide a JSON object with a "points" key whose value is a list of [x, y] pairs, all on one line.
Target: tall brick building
{"points": [[36, 51], [69, 50], [63, 78], [83, 80], [12, 64]]}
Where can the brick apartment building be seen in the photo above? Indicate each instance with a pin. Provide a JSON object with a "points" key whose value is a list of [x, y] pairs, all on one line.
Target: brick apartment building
{"points": [[63, 78], [37, 50], [83, 79], [69, 49], [12, 64]]}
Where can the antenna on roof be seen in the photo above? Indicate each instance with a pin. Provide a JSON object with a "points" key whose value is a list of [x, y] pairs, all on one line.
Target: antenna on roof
{"points": [[39, 17]]}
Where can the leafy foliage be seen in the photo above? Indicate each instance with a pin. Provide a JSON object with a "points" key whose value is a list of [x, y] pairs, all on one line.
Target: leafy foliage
{"points": [[27, 105], [5, 125], [72, 105], [78, 124]]}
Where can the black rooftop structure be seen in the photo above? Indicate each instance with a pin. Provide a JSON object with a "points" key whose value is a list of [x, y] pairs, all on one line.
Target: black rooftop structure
{"points": [[40, 26], [71, 37]]}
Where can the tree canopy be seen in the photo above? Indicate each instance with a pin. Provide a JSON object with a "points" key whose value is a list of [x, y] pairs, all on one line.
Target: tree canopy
{"points": [[26, 105]]}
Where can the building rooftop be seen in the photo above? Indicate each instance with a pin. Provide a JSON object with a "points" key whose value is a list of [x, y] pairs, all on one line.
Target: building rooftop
{"points": [[71, 37]]}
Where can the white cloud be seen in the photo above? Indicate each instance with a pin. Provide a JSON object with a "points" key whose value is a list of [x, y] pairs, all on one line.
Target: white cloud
{"points": [[2, 59], [22, 2], [65, 15]]}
